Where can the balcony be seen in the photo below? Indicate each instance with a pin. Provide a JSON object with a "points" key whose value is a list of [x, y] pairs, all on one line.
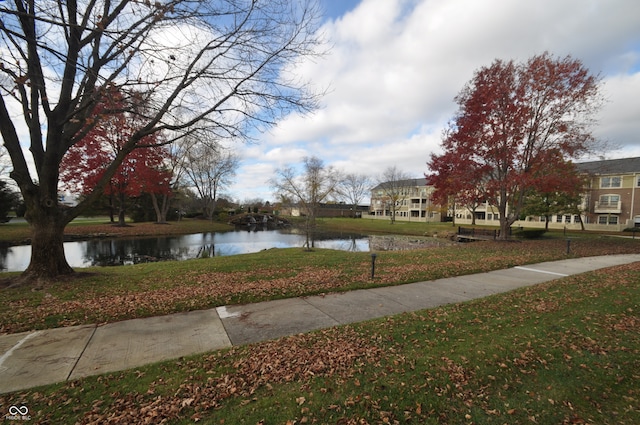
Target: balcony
{"points": [[608, 207]]}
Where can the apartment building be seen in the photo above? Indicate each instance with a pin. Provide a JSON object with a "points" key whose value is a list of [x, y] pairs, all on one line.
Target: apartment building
{"points": [[412, 199], [611, 201], [612, 198]]}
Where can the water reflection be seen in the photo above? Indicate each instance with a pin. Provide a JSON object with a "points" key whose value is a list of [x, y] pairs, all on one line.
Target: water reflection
{"points": [[107, 252]]}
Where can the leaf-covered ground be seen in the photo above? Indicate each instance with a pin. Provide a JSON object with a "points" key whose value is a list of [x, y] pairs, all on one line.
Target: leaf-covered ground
{"points": [[563, 352], [102, 295]]}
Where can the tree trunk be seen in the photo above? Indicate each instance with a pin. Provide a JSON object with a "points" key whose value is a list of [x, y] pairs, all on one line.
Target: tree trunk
{"points": [[210, 207], [161, 210], [505, 220], [453, 215], [111, 207], [121, 211], [581, 222], [546, 222], [310, 224], [47, 252], [164, 208], [504, 229], [121, 218]]}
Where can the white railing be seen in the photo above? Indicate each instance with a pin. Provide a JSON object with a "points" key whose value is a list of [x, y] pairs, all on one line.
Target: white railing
{"points": [[608, 207]]}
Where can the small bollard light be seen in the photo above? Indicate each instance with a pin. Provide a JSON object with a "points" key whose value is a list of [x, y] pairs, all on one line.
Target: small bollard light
{"points": [[568, 246], [373, 265]]}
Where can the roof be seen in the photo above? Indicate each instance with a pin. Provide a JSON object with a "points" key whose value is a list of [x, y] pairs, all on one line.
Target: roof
{"points": [[404, 183], [611, 166], [342, 206]]}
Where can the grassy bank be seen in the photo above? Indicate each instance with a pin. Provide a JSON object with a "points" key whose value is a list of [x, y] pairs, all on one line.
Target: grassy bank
{"points": [[564, 352], [100, 295], [379, 226], [567, 351], [19, 232]]}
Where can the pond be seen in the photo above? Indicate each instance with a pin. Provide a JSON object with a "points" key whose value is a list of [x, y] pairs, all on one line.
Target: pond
{"points": [[107, 252]]}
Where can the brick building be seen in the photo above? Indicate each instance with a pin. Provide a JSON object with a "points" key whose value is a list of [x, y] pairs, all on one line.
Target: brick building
{"points": [[612, 198], [611, 201]]}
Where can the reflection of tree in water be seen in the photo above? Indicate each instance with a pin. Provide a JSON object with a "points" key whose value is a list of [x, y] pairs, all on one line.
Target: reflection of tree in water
{"points": [[347, 243], [127, 251], [119, 252], [206, 251], [105, 252], [401, 243], [4, 253]]}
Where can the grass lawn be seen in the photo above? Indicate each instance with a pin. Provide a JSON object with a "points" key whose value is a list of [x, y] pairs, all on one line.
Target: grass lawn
{"points": [[563, 352], [16, 232], [566, 351], [101, 295]]}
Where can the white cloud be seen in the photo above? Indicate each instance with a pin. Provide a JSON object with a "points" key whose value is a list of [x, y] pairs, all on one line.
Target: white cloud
{"points": [[396, 66], [620, 116]]}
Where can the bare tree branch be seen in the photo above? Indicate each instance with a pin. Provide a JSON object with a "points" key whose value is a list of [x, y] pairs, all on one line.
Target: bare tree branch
{"points": [[224, 65]]}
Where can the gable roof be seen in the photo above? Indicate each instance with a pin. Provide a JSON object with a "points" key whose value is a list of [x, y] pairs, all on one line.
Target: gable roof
{"points": [[611, 166], [403, 183]]}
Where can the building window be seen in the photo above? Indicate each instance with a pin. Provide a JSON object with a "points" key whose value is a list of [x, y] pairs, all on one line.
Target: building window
{"points": [[558, 218], [567, 219], [609, 182], [608, 219], [609, 200]]}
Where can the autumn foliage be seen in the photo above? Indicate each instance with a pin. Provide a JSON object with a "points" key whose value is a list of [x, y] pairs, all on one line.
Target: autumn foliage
{"points": [[516, 130], [141, 171]]}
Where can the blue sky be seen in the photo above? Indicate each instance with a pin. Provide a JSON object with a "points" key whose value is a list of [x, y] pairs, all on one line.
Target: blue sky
{"points": [[336, 8], [396, 65]]}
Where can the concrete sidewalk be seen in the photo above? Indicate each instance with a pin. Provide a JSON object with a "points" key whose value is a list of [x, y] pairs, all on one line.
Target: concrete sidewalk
{"points": [[36, 358]]}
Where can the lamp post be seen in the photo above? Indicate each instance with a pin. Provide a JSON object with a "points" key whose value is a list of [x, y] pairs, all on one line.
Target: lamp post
{"points": [[373, 264]]}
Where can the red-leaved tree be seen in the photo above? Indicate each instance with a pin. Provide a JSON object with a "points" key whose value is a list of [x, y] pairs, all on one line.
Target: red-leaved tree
{"points": [[459, 182], [224, 66], [559, 189], [142, 170], [516, 124]]}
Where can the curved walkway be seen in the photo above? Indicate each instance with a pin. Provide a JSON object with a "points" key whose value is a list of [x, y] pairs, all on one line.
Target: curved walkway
{"points": [[42, 357]]}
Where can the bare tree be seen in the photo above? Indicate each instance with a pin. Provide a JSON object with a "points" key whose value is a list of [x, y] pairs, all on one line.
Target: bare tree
{"points": [[175, 166], [223, 64], [309, 189], [396, 187], [210, 168], [4, 162], [353, 188]]}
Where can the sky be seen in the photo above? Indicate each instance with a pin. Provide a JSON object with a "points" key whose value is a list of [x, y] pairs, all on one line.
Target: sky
{"points": [[395, 66]]}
